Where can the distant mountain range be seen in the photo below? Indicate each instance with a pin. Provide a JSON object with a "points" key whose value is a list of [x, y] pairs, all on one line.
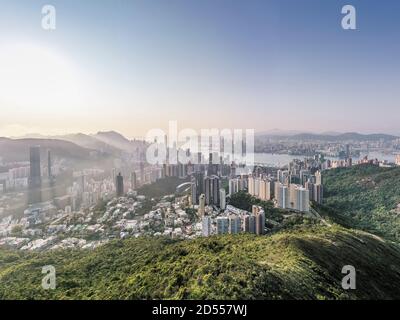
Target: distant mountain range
{"points": [[330, 136], [111, 143], [18, 149], [70, 146]]}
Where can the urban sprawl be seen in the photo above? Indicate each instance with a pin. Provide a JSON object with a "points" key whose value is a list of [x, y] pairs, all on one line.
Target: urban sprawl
{"points": [[95, 206]]}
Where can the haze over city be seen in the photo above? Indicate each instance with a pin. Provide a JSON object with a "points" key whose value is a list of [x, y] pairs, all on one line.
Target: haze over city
{"points": [[215, 152], [134, 65]]}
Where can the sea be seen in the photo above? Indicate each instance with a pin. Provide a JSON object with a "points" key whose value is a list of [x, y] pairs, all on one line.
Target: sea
{"points": [[280, 160]]}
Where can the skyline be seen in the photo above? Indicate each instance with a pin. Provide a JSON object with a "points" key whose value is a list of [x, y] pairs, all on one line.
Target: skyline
{"points": [[275, 132], [131, 66]]}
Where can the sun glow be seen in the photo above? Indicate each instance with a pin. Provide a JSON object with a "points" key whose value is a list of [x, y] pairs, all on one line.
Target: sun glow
{"points": [[37, 79]]}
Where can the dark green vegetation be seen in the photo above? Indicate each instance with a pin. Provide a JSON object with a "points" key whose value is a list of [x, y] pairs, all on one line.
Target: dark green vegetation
{"points": [[364, 197], [161, 187], [245, 201], [302, 263]]}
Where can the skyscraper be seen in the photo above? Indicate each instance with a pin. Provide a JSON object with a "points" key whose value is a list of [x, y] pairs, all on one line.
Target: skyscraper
{"points": [[194, 191], [397, 161], [208, 190], [318, 177], [222, 225], [142, 178], [259, 214], [119, 184], [310, 187], [293, 196], [197, 186], [251, 185], [49, 171], [233, 170], [182, 170], [318, 193], [202, 205], [347, 151], [133, 181], [282, 196], [304, 176], [212, 186], [303, 200], [249, 223], [216, 188], [35, 179], [222, 199], [233, 186], [206, 226], [234, 224]]}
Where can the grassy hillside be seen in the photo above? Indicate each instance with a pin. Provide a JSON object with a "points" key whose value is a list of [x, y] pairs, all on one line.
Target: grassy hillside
{"points": [[303, 263], [366, 197]]}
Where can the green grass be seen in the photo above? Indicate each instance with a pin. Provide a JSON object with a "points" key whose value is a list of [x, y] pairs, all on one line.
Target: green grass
{"points": [[301, 263], [365, 197]]}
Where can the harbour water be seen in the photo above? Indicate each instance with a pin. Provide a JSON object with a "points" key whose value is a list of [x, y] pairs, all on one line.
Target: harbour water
{"points": [[280, 160]]}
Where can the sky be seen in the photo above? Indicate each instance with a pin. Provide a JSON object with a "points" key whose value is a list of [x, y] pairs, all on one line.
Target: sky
{"points": [[132, 66]]}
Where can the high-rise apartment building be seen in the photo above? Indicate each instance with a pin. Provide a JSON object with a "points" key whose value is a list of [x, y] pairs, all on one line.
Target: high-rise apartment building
{"points": [[222, 199], [318, 193], [234, 224], [303, 200], [35, 177], [260, 222], [49, 166], [119, 184], [202, 205], [133, 181], [206, 226], [251, 185], [318, 177], [282, 196], [216, 188], [259, 215], [293, 199], [249, 223], [222, 225], [212, 186], [237, 184]]}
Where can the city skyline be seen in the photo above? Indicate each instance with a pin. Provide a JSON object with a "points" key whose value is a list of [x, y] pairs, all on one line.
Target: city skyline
{"points": [[131, 66], [199, 151]]}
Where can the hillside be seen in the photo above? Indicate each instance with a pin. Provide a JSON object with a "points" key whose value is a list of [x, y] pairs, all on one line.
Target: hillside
{"points": [[304, 263], [18, 149], [90, 142], [366, 197], [116, 140], [108, 142]]}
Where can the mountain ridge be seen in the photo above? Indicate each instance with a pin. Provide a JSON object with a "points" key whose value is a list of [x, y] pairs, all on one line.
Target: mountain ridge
{"points": [[18, 149], [347, 136], [304, 262]]}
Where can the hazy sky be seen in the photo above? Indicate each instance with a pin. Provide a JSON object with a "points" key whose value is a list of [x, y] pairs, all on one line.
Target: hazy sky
{"points": [[133, 65]]}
